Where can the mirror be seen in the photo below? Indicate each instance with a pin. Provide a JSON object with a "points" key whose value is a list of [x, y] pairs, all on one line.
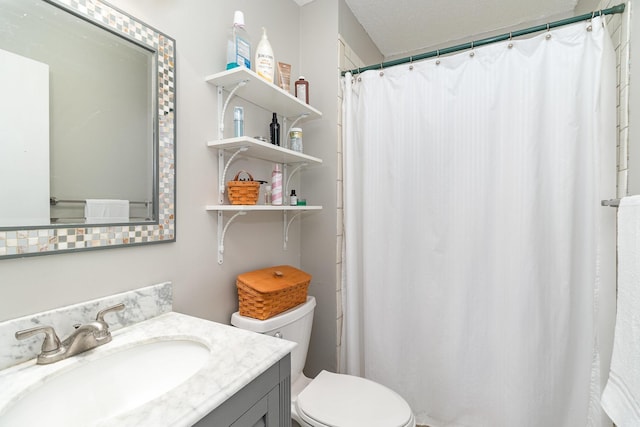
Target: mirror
{"points": [[87, 143]]}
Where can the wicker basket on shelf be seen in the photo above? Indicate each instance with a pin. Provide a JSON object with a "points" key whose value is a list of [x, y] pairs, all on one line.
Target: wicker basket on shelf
{"points": [[243, 192], [270, 291]]}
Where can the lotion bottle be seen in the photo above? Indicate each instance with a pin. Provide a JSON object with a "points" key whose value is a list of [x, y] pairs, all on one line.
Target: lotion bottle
{"points": [[265, 62]]}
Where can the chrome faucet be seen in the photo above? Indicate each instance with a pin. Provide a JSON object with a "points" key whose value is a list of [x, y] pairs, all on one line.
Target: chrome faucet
{"points": [[84, 338]]}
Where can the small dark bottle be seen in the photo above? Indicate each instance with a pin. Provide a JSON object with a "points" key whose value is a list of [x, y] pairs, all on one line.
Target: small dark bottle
{"points": [[274, 129]]}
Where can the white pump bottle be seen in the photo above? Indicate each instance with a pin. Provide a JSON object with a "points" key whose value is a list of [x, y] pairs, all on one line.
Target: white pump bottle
{"points": [[265, 62]]}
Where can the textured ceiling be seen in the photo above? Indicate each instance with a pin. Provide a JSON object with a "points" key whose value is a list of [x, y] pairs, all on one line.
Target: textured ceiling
{"points": [[401, 26]]}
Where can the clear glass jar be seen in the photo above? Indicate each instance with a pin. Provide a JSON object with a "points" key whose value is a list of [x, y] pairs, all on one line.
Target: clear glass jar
{"points": [[295, 139]]}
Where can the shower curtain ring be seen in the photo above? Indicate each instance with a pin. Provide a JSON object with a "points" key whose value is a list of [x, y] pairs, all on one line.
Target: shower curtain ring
{"points": [[510, 45], [438, 56], [381, 69], [410, 62], [548, 36], [590, 26], [472, 54]]}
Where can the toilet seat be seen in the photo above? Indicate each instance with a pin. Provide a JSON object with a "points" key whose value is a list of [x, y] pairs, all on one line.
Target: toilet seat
{"points": [[337, 400]]}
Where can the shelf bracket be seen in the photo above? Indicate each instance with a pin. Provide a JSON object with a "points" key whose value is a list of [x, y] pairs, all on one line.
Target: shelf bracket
{"points": [[222, 231], [293, 172], [300, 117], [226, 104], [223, 168], [287, 224]]}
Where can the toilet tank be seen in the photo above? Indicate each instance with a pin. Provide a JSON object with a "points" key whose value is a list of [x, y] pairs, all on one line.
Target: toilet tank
{"points": [[293, 325]]}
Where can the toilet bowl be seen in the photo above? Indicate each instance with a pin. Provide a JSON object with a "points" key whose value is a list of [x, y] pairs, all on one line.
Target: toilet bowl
{"points": [[328, 400]]}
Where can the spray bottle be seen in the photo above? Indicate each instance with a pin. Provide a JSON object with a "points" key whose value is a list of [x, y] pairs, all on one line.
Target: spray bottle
{"points": [[276, 185]]}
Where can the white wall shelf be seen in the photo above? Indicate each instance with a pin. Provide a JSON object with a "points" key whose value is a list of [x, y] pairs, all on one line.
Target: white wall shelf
{"points": [[258, 208], [262, 93], [248, 85], [263, 150]]}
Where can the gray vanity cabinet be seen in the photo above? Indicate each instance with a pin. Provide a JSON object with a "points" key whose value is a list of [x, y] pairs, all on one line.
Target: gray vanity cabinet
{"points": [[265, 401]]}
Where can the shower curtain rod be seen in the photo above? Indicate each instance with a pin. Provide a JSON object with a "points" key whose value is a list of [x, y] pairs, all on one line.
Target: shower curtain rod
{"points": [[610, 11]]}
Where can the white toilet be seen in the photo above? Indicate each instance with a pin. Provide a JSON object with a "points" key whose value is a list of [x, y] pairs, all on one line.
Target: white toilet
{"points": [[329, 400]]}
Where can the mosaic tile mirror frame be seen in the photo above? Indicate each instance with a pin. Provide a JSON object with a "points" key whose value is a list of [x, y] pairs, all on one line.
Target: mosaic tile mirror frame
{"points": [[42, 240]]}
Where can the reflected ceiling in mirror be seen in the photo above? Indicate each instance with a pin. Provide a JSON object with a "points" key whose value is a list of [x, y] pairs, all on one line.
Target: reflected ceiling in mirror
{"points": [[144, 177]]}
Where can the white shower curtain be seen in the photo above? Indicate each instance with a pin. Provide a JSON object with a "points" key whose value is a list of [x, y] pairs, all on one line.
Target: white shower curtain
{"points": [[472, 261]]}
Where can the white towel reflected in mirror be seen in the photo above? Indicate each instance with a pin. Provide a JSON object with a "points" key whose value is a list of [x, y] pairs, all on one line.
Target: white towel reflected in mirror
{"points": [[100, 211]]}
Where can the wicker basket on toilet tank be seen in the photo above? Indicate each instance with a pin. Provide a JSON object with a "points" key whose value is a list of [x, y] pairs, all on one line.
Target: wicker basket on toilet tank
{"points": [[270, 291]]}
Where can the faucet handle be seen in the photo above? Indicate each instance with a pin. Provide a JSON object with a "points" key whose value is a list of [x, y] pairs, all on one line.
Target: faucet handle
{"points": [[102, 313], [51, 341]]}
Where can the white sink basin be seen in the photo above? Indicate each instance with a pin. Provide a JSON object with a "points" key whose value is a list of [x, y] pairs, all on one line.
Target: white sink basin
{"points": [[107, 386]]}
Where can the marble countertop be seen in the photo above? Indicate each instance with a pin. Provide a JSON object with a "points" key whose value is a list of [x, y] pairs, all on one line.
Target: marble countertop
{"points": [[237, 357]]}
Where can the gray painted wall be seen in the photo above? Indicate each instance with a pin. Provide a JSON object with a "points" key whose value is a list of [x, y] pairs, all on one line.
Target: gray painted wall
{"points": [[356, 36], [634, 103], [319, 64], [201, 286]]}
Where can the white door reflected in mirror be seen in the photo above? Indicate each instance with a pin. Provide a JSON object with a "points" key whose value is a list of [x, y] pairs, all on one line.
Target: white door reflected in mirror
{"points": [[24, 141]]}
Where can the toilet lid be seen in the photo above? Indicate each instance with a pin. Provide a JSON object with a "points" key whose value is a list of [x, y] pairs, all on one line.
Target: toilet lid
{"points": [[338, 400]]}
